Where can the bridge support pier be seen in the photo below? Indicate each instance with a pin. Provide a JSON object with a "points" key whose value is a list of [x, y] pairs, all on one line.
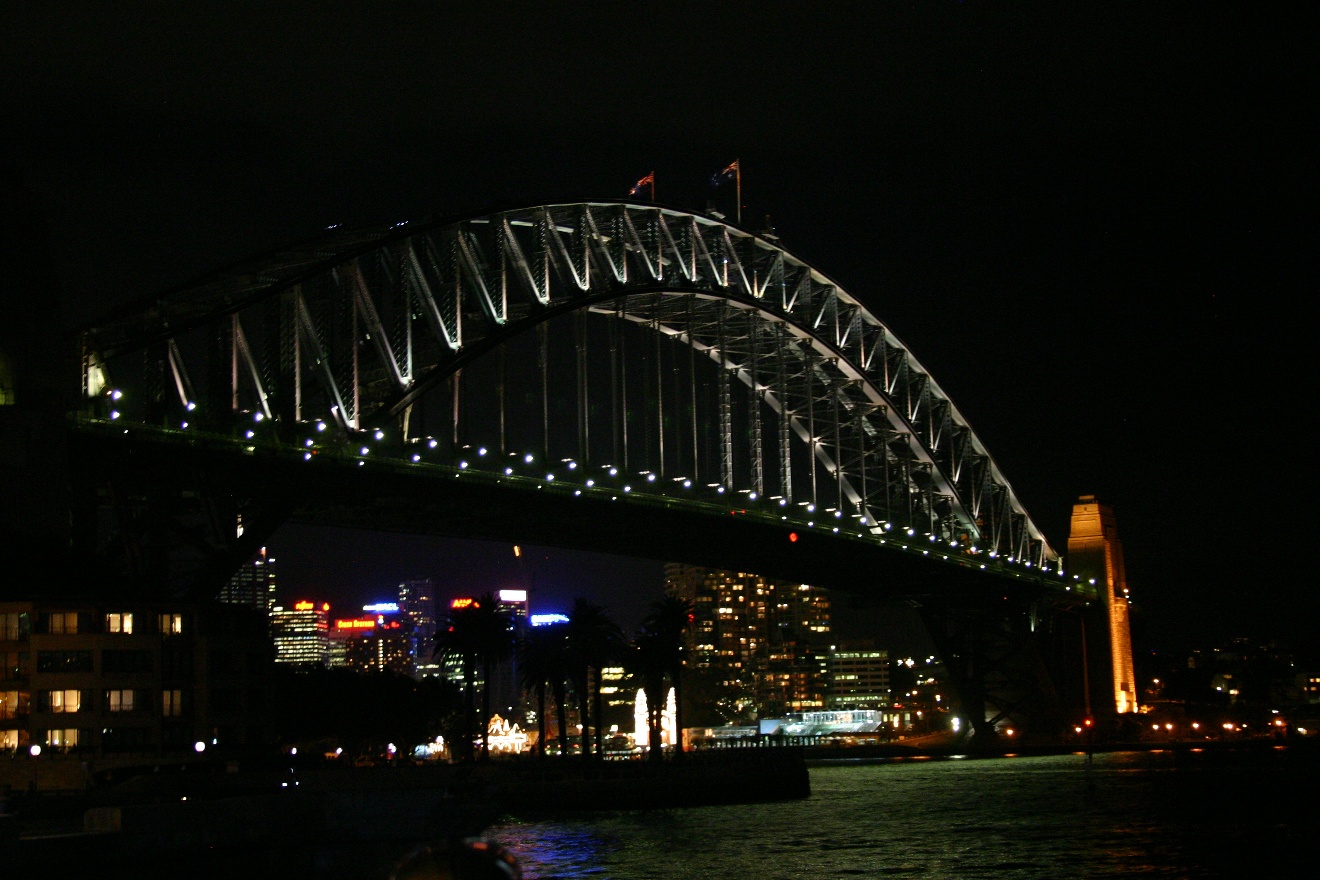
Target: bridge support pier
{"points": [[994, 649]]}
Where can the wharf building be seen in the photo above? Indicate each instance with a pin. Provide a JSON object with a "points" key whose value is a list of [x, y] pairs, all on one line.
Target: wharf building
{"points": [[115, 681], [765, 641]]}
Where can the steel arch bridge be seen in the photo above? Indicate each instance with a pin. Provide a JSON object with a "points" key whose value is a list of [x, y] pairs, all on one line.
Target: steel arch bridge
{"points": [[604, 346], [611, 376]]}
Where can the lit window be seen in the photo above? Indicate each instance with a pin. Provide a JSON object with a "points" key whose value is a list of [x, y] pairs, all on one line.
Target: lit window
{"points": [[119, 623], [13, 703], [119, 701], [171, 624], [62, 739], [65, 701], [63, 623], [171, 703]]}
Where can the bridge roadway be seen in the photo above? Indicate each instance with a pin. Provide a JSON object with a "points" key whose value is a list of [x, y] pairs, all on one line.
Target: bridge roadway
{"points": [[398, 496]]}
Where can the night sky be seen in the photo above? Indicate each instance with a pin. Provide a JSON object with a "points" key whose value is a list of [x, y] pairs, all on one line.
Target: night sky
{"points": [[1093, 226]]}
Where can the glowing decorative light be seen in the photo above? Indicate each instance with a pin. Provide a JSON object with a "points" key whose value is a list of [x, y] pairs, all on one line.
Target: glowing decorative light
{"points": [[481, 451], [462, 464], [379, 435], [687, 484], [751, 496], [34, 750], [307, 456], [256, 417], [116, 394], [114, 413], [508, 470], [549, 478], [792, 537], [199, 747], [363, 451], [250, 434], [650, 478], [191, 406], [627, 488], [590, 483], [528, 458], [433, 443], [614, 472], [416, 457]]}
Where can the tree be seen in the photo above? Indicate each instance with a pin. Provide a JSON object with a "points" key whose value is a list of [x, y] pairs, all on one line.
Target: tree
{"points": [[648, 662], [667, 624], [476, 635], [594, 641], [542, 669]]}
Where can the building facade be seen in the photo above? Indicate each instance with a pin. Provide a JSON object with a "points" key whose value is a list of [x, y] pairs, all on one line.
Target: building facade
{"points": [[765, 641], [127, 679], [301, 633]]}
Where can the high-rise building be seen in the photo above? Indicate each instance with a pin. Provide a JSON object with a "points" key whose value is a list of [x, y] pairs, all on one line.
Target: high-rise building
{"points": [[417, 606], [506, 691], [301, 633], [766, 640], [253, 584]]}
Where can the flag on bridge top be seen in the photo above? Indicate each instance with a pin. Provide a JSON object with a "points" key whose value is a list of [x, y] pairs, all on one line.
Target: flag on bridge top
{"points": [[647, 181], [729, 173]]}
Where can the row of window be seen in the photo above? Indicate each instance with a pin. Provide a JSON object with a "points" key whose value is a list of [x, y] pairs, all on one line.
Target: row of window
{"points": [[15, 703], [17, 625], [121, 739]]}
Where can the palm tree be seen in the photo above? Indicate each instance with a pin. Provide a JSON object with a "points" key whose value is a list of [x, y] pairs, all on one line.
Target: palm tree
{"points": [[541, 669], [667, 623], [594, 641], [477, 634], [648, 662]]}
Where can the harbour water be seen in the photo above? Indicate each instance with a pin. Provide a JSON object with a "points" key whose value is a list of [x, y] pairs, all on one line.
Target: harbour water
{"points": [[1183, 813]]}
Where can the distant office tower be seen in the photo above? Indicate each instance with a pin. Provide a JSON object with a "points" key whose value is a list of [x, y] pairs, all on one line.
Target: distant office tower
{"points": [[253, 584], [765, 640], [506, 692], [301, 633], [1095, 555], [859, 677], [417, 606]]}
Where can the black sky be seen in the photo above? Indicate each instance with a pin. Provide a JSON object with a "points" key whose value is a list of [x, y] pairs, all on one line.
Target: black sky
{"points": [[1094, 226]]}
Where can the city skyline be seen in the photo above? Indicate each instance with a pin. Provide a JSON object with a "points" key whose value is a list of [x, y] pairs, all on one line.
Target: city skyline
{"points": [[1085, 223]]}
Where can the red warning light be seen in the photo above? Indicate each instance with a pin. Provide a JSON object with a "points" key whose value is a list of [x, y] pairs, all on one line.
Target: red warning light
{"points": [[792, 537]]}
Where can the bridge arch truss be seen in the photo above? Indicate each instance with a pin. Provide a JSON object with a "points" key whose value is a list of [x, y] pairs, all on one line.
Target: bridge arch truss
{"points": [[753, 374]]}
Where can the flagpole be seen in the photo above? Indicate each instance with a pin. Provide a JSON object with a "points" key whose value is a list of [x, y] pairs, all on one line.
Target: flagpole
{"points": [[737, 176]]}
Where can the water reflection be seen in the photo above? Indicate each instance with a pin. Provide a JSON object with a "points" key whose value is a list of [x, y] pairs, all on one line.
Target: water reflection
{"points": [[1134, 813]]}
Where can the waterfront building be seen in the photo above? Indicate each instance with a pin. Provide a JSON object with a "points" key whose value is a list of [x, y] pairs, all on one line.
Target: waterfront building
{"points": [[759, 637], [301, 633], [114, 680], [858, 677]]}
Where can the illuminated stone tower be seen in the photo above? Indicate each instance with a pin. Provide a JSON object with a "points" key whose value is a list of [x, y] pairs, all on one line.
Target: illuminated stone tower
{"points": [[1095, 554]]}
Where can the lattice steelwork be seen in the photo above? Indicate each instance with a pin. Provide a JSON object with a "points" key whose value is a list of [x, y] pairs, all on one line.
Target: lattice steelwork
{"points": [[698, 354]]}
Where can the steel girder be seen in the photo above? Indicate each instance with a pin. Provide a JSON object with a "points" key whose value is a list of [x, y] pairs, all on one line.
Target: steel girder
{"points": [[354, 328]]}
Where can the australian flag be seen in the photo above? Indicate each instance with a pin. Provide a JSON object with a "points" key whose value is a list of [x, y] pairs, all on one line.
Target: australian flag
{"points": [[726, 175]]}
